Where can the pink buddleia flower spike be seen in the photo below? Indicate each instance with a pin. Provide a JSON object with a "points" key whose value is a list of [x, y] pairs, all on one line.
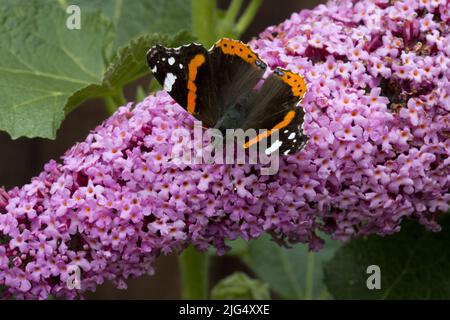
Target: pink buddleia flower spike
{"points": [[376, 113]]}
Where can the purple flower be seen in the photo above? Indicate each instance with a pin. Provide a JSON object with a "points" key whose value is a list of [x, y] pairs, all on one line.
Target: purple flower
{"points": [[377, 114]]}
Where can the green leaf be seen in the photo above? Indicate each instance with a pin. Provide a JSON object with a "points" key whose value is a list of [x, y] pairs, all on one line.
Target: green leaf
{"points": [[140, 94], [135, 18], [47, 70], [293, 273], [205, 21], [130, 62], [414, 264], [239, 248], [43, 63], [88, 92], [239, 286], [154, 86]]}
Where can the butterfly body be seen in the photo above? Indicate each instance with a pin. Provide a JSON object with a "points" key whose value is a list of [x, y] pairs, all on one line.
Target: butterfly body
{"points": [[235, 114], [222, 88]]}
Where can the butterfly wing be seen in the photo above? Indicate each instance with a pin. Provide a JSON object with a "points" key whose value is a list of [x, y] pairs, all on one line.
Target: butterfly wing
{"points": [[236, 70], [185, 74], [275, 109], [206, 83]]}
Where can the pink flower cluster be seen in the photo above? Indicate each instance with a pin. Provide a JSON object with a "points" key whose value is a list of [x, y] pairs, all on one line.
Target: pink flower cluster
{"points": [[377, 113]]}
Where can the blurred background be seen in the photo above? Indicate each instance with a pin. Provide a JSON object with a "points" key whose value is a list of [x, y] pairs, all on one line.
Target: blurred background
{"points": [[24, 158]]}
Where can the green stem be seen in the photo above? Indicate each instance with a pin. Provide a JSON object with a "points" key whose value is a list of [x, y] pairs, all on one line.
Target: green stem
{"points": [[324, 295], [204, 17], [119, 97], [110, 105], [247, 16], [194, 274], [154, 85], [227, 25], [117, 11], [309, 281], [114, 100], [63, 3], [233, 11]]}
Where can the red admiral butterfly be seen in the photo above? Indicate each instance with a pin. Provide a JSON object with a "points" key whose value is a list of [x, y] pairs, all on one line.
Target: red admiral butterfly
{"points": [[218, 88]]}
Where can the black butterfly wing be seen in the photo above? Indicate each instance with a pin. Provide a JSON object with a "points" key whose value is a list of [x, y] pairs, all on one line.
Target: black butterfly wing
{"points": [[206, 83], [185, 74], [236, 70], [275, 109]]}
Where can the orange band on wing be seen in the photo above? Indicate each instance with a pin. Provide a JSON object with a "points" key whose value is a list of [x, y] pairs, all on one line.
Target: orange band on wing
{"points": [[287, 119], [237, 48], [295, 81], [194, 64]]}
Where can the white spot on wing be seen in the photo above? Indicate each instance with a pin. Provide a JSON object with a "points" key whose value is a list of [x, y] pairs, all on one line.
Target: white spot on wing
{"points": [[291, 136], [169, 81], [181, 66], [154, 69], [171, 60], [287, 152], [275, 146]]}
